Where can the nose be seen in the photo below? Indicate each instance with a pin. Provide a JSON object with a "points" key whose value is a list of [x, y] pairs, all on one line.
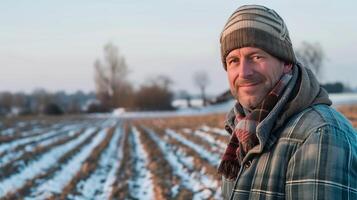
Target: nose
{"points": [[245, 69]]}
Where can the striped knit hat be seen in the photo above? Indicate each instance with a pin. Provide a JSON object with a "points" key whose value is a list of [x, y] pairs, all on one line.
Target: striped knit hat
{"points": [[257, 26]]}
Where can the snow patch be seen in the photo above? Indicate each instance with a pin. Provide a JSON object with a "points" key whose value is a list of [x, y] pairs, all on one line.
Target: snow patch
{"points": [[198, 182], [46, 161], [94, 185], [117, 159], [62, 177], [142, 186], [212, 158]]}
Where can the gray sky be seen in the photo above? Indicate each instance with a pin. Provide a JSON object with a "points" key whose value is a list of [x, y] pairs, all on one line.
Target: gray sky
{"points": [[53, 44]]}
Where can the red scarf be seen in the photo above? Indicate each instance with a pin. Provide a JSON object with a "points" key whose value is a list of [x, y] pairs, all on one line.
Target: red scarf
{"points": [[244, 135]]}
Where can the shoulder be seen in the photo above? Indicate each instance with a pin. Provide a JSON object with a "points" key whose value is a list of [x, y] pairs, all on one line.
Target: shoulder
{"points": [[318, 118], [326, 155]]}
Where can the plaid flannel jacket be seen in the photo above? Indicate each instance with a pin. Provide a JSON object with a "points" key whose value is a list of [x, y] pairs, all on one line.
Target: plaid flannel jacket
{"points": [[313, 157]]}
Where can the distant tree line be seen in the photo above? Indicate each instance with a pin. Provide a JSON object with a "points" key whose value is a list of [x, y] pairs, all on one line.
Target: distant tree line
{"points": [[41, 101], [154, 94], [113, 90], [312, 55], [336, 87]]}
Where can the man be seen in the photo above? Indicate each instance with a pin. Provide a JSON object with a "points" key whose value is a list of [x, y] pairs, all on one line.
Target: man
{"points": [[286, 141]]}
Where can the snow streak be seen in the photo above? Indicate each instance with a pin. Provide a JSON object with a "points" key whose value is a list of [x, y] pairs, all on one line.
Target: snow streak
{"points": [[116, 161], [217, 131], [141, 187], [198, 182], [46, 161], [94, 185], [212, 158], [62, 177], [41, 140]]}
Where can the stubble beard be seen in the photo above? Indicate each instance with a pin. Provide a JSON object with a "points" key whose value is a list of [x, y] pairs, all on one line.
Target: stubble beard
{"points": [[252, 100]]}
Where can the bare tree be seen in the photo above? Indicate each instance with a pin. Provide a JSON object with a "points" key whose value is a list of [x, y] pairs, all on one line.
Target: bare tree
{"points": [[112, 88], [40, 99], [162, 81], [6, 99], [155, 94], [312, 56], [201, 80], [19, 100]]}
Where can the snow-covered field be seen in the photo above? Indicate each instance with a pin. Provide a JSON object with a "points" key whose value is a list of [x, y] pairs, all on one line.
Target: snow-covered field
{"points": [[111, 157], [152, 155]]}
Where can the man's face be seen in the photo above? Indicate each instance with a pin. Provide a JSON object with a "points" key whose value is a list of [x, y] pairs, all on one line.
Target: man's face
{"points": [[252, 73]]}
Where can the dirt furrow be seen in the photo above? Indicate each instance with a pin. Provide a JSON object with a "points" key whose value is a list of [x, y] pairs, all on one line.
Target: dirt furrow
{"points": [[207, 139], [88, 166], [167, 185], [120, 186], [15, 166], [198, 162], [32, 143], [199, 169], [192, 134], [22, 135], [31, 130], [98, 183], [32, 183], [219, 134]]}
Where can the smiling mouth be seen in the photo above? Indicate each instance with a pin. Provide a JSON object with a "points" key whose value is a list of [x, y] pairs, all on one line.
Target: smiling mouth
{"points": [[248, 89], [248, 84]]}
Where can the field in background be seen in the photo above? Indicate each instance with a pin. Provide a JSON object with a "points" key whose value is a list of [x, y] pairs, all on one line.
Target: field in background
{"points": [[106, 157]]}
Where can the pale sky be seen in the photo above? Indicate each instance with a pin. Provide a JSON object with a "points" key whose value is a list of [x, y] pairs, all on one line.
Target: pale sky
{"points": [[53, 44]]}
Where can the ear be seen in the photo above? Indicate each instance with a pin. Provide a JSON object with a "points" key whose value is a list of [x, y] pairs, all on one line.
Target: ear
{"points": [[287, 67]]}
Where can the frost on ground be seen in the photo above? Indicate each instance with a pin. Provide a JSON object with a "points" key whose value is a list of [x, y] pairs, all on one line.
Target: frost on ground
{"points": [[62, 177], [212, 158], [46, 161], [94, 186], [33, 142], [201, 185], [116, 161], [141, 185], [15, 142], [50, 159], [190, 156], [217, 131], [216, 144]]}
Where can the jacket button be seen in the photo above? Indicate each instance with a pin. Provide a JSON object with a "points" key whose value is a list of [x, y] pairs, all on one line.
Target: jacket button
{"points": [[247, 164]]}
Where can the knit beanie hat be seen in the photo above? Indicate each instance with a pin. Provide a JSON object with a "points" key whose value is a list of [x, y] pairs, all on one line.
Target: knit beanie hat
{"points": [[257, 26]]}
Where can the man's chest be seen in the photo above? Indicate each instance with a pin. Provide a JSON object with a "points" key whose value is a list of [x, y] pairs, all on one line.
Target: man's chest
{"points": [[265, 174]]}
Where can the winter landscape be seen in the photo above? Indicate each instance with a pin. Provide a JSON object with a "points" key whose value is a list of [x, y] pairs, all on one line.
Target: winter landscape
{"points": [[126, 100], [114, 156], [110, 157]]}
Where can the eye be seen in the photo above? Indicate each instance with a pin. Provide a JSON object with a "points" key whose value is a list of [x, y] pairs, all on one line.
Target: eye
{"points": [[257, 57], [232, 61]]}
